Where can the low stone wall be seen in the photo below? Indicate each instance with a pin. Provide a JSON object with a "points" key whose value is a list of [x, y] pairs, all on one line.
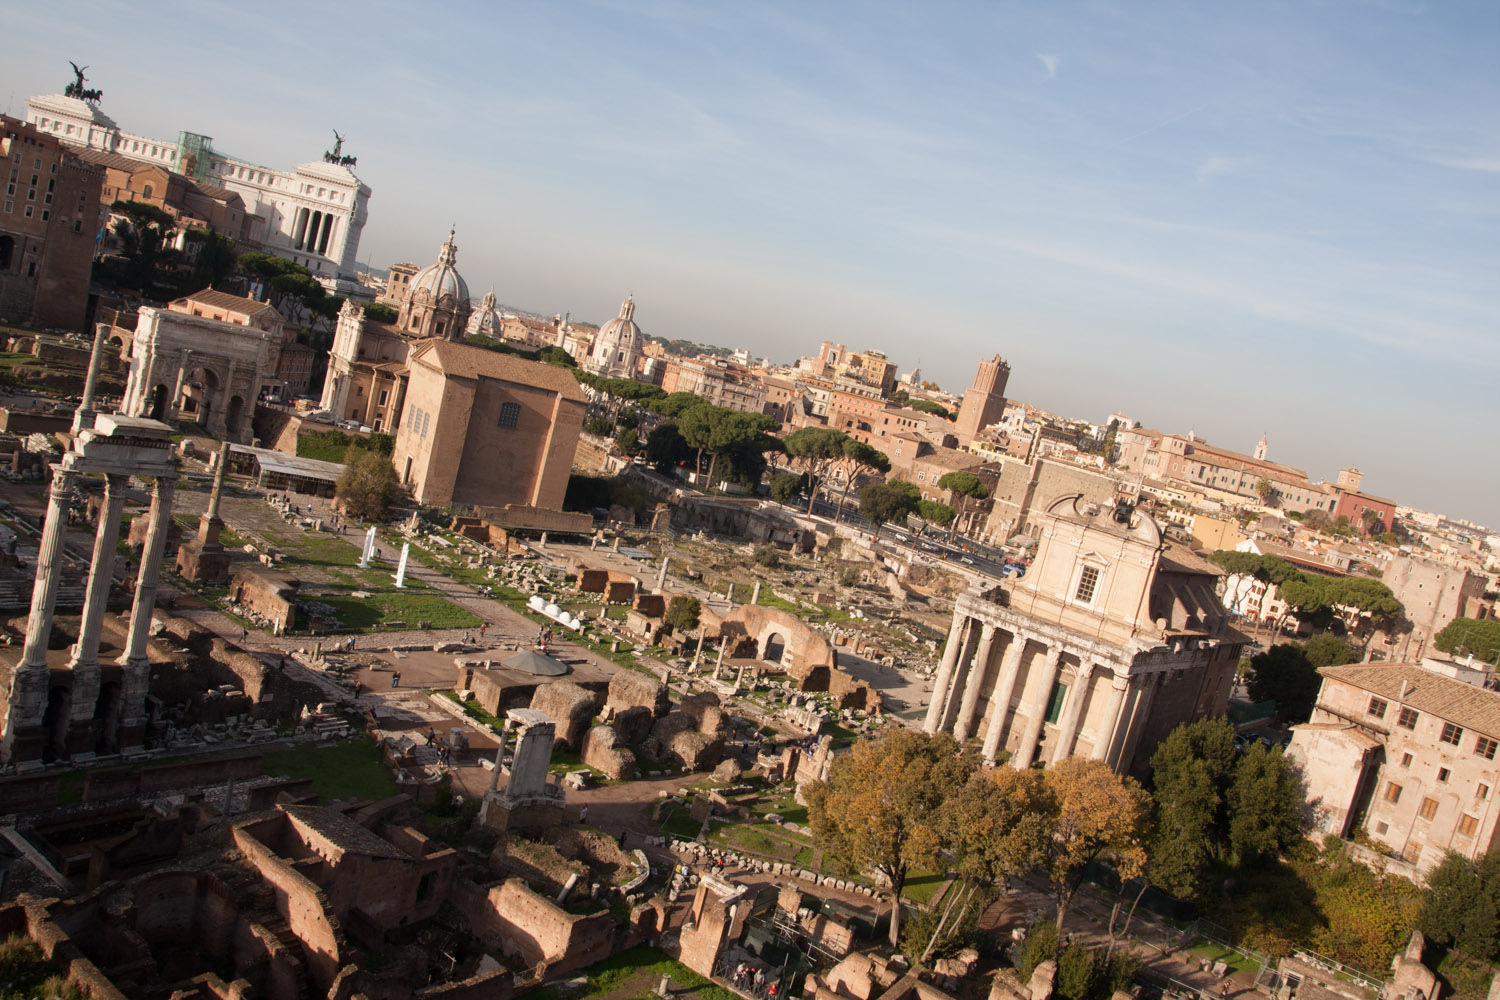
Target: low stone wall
{"points": [[273, 596], [601, 750], [124, 782]]}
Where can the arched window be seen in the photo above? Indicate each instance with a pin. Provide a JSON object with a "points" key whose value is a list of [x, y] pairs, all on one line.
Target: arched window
{"points": [[510, 414]]}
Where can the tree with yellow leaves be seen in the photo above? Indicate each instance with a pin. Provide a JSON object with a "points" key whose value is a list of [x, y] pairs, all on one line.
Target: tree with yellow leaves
{"points": [[882, 805], [1095, 815]]}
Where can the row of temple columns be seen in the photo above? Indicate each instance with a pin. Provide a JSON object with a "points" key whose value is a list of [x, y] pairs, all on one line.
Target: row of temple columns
{"points": [[960, 684], [32, 681], [312, 231]]}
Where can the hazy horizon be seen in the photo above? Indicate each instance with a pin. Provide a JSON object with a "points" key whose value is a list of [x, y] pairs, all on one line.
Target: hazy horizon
{"points": [[1278, 219]]}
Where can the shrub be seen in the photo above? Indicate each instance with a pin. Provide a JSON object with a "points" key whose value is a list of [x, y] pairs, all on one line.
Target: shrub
{"points": [[1040, 946], [768, 556], [1076, 971]]}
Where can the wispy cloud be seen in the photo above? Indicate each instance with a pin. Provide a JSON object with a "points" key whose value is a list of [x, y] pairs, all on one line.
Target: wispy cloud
{"points": [[1213, 166], [1487, 164], [1050, 62]]}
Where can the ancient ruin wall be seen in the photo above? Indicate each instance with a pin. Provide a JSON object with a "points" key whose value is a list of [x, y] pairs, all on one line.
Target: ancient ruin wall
{"points": [[533, 928], [300, 902]]}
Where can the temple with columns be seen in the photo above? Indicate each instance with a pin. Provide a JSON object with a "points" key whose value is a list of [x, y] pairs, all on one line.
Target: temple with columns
{"points": [[71, 705], [1111, 639]]}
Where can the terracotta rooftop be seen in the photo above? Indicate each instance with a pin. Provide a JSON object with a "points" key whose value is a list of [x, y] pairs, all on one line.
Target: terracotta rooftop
{"points": [[229, 303], [465, 361], [1177, 558], [114, 160], [1451, 700]]}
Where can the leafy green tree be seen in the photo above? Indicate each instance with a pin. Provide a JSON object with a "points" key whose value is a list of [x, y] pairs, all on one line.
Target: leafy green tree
{"points": [[785, 486], [682, 614], [1265, 804], [1110, 449], [935, 512], [1462, 908], [143, 231], [1191, 773], [928, 406], [814, 450], [1480, 636], [666, 448], [628, 441], [670, 406], [858, 459], [368, 485], [883, 502], [880, 804], [598, 426], [1284, 674], [1076, 972], [966, 486], [1377, 605], [1265, 490], [1328, 651], [214, 260], [379, 312]]}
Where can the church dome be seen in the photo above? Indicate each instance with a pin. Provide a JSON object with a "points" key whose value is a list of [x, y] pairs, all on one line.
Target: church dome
{"points": [[442, 279], [617, 345]]}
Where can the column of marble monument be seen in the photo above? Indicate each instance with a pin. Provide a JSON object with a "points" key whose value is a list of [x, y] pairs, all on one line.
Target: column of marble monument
{"points": [[48, 570], [1005, 687], [174, 409], [961, 674], [27, 701], [136, 680], [1067, 729], [1110, 726], [84, 662], [1036, 711], [944, 676], [1140, 714], [970, 704], [83, 419]]}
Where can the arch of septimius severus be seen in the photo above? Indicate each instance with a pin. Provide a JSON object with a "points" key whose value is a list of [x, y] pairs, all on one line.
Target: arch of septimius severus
{"points": [[1113, 637], [71, 705]]}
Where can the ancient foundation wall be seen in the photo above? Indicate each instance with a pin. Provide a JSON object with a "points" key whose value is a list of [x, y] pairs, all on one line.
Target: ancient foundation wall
{"points": [[533, 928], [301, 903]]}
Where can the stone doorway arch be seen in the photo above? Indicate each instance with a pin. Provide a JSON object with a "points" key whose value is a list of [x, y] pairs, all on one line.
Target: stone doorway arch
{"points": [[157, 410], [234, 414], [774, 649]]}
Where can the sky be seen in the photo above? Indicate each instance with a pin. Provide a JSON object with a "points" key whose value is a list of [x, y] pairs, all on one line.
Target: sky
{"points": [[1235, 219]]}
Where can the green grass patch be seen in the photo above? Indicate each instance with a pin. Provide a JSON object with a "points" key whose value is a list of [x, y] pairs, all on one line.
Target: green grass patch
{"points": [[1232, 958], [680, 823], [646, 966], [474, 711], [329, 446], [349, 770], [398, 610], [922, 887]]}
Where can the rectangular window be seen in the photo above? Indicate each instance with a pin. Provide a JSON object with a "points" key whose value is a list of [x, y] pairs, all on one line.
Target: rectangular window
{"points": [[1377, 708], [1392, 792], [1485, 747], [510, 415], [28, 211], [1482, 792], [1451, 733], [1429, 809], [383, 394], [1055, 703], [1381, 828], [1467, 825], [1407, 719], [1087, 581], [1406, 760]]}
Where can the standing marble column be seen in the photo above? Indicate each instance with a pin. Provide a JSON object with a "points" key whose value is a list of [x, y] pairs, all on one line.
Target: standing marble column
{"points": [[970, 705], [944, 674], [1005, 687], [1110, 726], [1140, 714], [1036, 710], [174, 409], [85, 659], [1067, 729], [48, 571], [961, 674], [136, 679]]}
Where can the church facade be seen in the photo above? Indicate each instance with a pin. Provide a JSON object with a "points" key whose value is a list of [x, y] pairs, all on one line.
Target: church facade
{"points": [[1112, 638]]}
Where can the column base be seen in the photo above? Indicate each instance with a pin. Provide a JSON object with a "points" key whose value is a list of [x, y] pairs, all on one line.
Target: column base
{"points": [[203, 563]]}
